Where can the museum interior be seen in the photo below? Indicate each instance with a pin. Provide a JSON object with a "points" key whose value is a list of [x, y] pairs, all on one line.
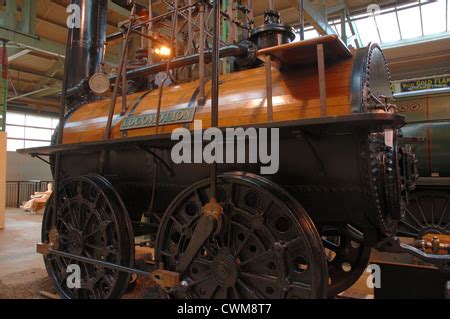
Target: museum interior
{"points": [[224, 149]]}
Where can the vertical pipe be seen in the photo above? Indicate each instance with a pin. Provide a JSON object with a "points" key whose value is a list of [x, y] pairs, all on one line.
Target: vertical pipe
{"points": [[271, 5], [215, 85], [302, 20], [225, 33], [322, 80], [232, 28], [269, 93], [150, 31], [124, 82], [173, 41], [88, 41], [343, 27], [190, 39], [201, 51], [251, 15], [122, 65], [60, 131]]}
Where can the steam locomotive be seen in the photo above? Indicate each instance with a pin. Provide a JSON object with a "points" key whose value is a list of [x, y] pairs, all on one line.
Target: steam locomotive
{"points": [[304, 232]]}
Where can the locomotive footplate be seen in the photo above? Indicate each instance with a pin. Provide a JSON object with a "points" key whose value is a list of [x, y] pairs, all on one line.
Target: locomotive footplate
{"points": [[372, 121]]}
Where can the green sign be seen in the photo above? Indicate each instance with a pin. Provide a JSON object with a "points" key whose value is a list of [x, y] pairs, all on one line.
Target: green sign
{"points": [[165, 118], [425, 84]]}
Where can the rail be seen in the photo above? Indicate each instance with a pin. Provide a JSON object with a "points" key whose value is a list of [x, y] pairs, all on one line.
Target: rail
{"points": [[20, 191]]}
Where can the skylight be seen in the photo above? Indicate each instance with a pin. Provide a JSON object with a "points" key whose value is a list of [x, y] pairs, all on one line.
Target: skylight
{"points": [[415, 19]]}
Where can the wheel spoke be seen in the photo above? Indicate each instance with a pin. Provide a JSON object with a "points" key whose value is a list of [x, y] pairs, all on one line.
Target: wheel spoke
{"points": [[213, 292], [253, 292], [199, 281], [444, 213], [244, 243], [202, 262], [410, 226], [414, 218], [255, 258], [260, 277], [236, 292], [421, 212]]}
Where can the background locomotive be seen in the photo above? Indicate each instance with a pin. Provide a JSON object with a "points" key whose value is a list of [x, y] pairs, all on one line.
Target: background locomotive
{"points": [[339, 191], [428, 119]]}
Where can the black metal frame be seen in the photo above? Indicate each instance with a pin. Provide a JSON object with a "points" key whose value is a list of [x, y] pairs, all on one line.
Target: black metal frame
{"points": [[375, 120]]}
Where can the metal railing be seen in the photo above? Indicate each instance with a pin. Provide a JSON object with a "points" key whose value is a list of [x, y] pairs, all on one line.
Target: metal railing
{"points": [[18, 192]]}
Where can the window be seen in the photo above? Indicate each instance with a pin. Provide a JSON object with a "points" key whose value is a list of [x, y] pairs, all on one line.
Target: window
{"points": [[309, 34], [410, 22], [367, 30], [433, 16], [447, 4], [29, 130], [388, 26]]}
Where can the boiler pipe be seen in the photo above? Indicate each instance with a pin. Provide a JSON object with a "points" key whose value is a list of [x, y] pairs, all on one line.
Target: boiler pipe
{"points": [[230, 50]]}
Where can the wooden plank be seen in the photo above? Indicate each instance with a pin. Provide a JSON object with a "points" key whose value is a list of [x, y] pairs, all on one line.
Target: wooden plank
{"points": [[303, 53]]}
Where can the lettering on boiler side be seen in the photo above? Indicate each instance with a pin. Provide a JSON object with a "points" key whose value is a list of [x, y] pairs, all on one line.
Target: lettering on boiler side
{"points": [[165, 118]]}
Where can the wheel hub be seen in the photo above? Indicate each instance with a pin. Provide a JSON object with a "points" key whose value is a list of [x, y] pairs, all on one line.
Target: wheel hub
{"points": [[225, 271], [75, 239]]}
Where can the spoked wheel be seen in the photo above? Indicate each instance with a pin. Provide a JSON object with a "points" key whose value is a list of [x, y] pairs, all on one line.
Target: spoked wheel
{"points": [[268, 246], [91, 222], [428, 212], [347, 257]]}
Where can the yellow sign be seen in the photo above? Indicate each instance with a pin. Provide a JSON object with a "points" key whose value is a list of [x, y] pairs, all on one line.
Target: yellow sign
{"points": [[425, 84]]}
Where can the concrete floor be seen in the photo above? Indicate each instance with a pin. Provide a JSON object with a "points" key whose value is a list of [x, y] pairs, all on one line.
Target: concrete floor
{"points": [[23, 274], [22, 270], [18, 242]]}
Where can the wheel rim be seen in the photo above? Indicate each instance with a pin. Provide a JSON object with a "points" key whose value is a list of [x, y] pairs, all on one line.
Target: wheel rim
{"points": [[428, 212], [262, 250], [347, 257], [92, 223]]}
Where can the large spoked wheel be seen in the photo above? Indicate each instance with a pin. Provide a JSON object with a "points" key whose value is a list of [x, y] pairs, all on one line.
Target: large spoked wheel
{"points": [[268, 246], [428, 212], [91, 222], [347, 256]]}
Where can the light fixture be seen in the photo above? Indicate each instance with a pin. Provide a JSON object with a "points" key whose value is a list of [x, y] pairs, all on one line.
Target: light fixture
{"points": [[163, 51]]}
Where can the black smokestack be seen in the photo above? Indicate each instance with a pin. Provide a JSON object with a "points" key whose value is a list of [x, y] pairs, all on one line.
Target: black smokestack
{"points": [[87, 43]]}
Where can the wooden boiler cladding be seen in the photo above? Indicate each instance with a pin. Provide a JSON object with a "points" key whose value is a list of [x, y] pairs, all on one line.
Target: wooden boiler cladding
{"points": [[242, 99]]}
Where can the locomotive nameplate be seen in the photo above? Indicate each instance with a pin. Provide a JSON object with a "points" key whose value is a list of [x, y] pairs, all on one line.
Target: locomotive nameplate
{"points": [[165, 118]]}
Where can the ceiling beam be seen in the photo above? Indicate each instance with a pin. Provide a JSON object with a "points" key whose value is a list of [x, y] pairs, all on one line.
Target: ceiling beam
{"points": [[118, 9], [56, 66], [33, 72], [315, 17], [28, 94], [16, 53], [32, 42]]}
